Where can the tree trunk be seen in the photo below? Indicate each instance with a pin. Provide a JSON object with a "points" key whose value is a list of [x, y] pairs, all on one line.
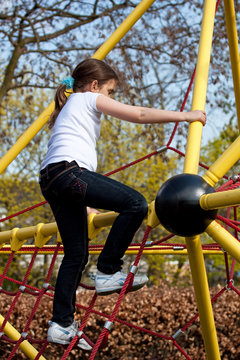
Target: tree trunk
{"points": [[9, 73]]}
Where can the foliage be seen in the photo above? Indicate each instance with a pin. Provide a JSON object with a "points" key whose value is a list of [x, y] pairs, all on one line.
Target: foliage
{"points": [[160, 309], [16, 194], [24, 192], [41, 43], [21, 108]]}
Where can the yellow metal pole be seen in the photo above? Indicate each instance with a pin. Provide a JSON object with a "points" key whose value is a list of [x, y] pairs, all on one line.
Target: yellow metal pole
{"points": [[105, 219], [25, 346], [161, 252], [19, 236], [200, 283], [226, 240], [104, 49], [194, 247], [152, 250], [200, 88], [220, 199], [223, 163], [201, 288], [230, 19]]}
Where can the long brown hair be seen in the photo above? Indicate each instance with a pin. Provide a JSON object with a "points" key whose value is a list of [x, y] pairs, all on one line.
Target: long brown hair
{"points": [[85, 72]]}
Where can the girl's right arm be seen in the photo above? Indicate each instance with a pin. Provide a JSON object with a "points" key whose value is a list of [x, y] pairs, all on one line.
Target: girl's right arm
{"points": [[144, 115]]}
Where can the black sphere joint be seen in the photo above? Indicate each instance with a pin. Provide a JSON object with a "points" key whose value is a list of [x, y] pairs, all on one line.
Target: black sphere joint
{"points": [[177, 205]]}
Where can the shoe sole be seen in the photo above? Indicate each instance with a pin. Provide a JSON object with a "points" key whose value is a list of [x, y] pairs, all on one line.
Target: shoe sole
{"points": [[104, 292], [84, 348], [62, 342]]}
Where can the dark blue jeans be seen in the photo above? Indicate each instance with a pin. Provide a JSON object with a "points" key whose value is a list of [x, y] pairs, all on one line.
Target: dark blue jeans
{"points": [[69, 189]]}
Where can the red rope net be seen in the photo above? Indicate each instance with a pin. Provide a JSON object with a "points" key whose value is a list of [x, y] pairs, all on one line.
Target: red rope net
{"points": [[48, 290]]}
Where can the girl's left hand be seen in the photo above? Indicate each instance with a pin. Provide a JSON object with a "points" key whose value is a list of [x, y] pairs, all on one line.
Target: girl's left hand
{"points": [[196, 115]]}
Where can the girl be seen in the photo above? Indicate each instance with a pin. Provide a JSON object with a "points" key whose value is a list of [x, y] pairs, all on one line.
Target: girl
{"points": [[69, 183]]}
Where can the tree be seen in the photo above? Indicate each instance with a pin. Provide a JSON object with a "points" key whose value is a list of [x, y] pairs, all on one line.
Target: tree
{"points": [[30, 26], [21, 108]]}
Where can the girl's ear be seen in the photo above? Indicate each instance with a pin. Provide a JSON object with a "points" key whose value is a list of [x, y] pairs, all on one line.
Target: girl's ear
{"points": [[94, 86]]}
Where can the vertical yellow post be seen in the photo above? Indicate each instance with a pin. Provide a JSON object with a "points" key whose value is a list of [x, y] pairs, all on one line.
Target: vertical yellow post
{"points": [[37, 125], [230, 19], [194, 247]]}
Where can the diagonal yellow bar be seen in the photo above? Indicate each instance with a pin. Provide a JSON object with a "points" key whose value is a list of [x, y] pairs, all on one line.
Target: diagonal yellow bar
{"points": [[126, 25], [220, 199], [38, 124], [224, 163], [194, 247], [226, 240], [25, 346], [230, 19]]}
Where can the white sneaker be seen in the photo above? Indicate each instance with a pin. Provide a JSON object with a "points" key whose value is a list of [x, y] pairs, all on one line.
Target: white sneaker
{"points": [[64, 335], [109, 283]]}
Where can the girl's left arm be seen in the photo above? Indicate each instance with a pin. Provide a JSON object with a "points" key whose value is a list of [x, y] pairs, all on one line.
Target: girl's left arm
{"points": [[144, 115]]}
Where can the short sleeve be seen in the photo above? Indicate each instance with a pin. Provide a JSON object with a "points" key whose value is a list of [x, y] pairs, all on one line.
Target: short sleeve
{"points": [[92, 99]]}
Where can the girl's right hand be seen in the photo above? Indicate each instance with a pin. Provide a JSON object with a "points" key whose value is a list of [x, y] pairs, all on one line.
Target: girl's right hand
{"points": [[196, 115]]}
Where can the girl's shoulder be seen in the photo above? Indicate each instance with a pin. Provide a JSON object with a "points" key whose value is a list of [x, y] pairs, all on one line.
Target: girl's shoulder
{"points": [[86, 94], [87, 99]]}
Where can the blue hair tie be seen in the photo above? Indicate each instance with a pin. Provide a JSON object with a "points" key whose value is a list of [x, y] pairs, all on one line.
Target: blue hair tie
{"points": [[69, 81]]}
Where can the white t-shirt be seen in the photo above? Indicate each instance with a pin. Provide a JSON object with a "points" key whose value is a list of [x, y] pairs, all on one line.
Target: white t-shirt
{"points": [[75, 132]]}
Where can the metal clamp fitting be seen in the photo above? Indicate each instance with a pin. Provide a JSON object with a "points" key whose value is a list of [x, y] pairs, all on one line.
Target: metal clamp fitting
{"points": [[234, 178], [133, 269], [161, 149], [79, 334], [24, 335], [149, 243], [227, 284], [22, 288], [46, 285], [177, 334], [178, 247], [108, 325]]}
